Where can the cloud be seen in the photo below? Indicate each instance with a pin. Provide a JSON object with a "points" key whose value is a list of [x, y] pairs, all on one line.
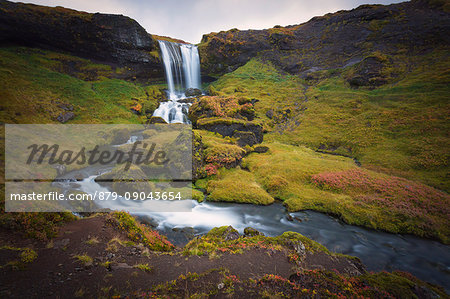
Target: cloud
{"points": [[189, 20]]}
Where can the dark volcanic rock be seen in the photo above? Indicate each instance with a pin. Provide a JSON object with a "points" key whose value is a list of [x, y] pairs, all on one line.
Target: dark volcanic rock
{"points": [[230, 234], [245, 138], [65, 106], [227, 127], [64, 117], [331, 41], [261, 149], [369, 72], [113, 39], [193, 92]]}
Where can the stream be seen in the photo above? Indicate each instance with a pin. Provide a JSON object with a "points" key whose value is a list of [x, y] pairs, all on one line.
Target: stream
{"points": [[426, 259]]}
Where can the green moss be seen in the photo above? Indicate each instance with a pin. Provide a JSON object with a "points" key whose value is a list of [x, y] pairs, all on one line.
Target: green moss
{"points": [[139, 233], [42, 226], [197, 195], [220, 121], [222, 152], [216, 242], [399, 284], [236, 185]]}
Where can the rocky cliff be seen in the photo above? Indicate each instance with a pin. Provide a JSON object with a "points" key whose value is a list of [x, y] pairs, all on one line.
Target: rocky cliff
{"points": [[334, 40], [112, 39]]}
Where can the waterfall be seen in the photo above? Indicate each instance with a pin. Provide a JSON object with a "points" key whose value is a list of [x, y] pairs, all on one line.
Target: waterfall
{"points": [[182, 67]]}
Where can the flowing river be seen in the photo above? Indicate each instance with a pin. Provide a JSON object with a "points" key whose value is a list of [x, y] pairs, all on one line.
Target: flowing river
{"points": [[427, 259]]}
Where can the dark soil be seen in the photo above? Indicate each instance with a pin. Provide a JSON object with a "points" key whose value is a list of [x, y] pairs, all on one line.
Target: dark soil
{"points": [[58, 273]]}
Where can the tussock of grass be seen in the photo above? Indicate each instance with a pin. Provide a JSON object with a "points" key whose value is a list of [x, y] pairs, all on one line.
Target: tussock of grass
{"points": [[236, 185], [42, 226], [26, 256], [85, 259], [92, 241], [138, 232], [143, 267]]}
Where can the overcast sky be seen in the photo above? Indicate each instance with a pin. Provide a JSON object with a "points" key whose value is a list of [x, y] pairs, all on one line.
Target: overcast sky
{"points": [[190, 19]]}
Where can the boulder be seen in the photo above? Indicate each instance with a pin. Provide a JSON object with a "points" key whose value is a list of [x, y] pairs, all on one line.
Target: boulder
{"points": [[64, 117], [156, 120], [260, 149], [245, 138], [65, 106], [122, 180], [297, 246], [224, 232], [251, 232], [120, 136], [193, 92], [228, 126], [221, 106]]}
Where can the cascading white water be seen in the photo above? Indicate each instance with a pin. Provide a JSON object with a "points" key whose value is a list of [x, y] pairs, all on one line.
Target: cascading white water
{"points": [[191, 65], [182, 66]]}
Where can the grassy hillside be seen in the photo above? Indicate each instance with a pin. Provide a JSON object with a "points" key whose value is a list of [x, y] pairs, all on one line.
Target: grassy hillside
{"points": [[400, 128], [37, 83], [34, 80], [373, 156]]}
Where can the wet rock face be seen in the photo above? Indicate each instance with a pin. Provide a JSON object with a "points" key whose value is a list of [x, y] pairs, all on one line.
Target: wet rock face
{"points": [[245, 138], [193, 92], [114, 39], [369, 72], [225, 127], [330, 41]]}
